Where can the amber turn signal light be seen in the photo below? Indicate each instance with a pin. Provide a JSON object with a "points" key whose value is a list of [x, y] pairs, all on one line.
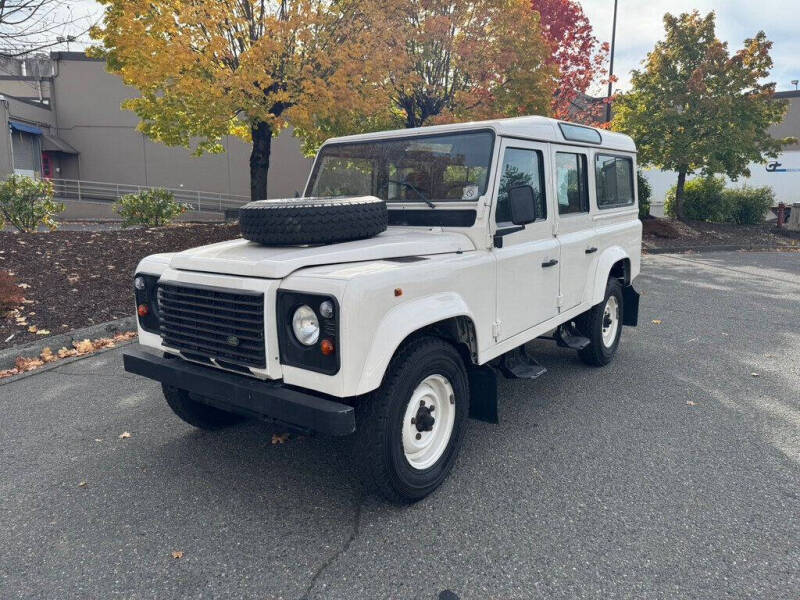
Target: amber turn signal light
{"points": [[327, 347], [143, 310]]}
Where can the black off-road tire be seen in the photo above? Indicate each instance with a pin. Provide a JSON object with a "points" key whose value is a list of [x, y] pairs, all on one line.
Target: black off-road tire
{"points": [[196, 413], [379, 418], [312, 220], [590, 324]]}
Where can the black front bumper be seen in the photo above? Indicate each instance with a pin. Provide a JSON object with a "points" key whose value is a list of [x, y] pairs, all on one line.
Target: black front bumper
{"points": [[268, 400]]}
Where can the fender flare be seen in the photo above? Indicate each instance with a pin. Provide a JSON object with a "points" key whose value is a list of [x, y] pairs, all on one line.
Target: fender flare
{"points": [[607, 259], [398, 324]]}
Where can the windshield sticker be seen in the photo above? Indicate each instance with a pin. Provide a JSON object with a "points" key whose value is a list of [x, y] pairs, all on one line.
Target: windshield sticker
{"points": [[471, 192]]}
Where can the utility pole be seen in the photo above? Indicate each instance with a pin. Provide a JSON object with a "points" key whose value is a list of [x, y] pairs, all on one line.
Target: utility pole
{"points": [[611, 66]]}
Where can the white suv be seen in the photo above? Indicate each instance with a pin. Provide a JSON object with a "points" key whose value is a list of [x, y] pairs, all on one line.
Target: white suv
{"points": [[385, 301]]}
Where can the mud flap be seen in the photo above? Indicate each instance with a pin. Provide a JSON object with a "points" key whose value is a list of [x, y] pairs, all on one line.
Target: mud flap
{"points": [[483, 394], [630, 306]]}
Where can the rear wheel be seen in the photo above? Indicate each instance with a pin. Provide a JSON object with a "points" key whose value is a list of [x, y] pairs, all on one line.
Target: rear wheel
{"points": [[197, 413], [602, 324], [409, 430]]}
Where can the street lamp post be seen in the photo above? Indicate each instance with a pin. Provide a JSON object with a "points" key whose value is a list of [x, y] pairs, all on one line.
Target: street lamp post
{"points": [[611, 65]]}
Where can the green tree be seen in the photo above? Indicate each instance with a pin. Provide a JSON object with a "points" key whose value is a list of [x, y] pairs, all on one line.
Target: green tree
{"points": [[694, 107]]}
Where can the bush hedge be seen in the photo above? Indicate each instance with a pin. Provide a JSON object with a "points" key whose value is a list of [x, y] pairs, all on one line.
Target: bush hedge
{"points": [[151, 208], [645, 191], [26, 203], [702, 200], [707, 199], [747, 205]]}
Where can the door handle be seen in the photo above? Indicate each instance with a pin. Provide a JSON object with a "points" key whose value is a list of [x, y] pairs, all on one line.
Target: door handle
{"points": [[591, 250], [550, 263]]}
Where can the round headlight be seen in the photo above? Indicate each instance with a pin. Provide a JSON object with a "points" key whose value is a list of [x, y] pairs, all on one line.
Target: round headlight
{"points": [[139, 283], [326, 309], [305, 325]]}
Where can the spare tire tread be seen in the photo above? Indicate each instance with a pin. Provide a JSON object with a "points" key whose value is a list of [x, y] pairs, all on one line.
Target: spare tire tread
{"points": [[312, 220]]}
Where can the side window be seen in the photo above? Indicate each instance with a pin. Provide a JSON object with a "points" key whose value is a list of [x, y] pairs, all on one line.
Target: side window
{"points": [[572, 184], [614, 176], [521, 167]]}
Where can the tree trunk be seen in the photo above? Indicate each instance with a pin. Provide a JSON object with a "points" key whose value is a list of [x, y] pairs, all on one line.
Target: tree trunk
{"points": [[679, 189], [259, 160]]}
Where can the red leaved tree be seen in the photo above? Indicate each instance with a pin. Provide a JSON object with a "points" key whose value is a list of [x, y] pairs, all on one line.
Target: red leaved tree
{"points": [[578, 55]]}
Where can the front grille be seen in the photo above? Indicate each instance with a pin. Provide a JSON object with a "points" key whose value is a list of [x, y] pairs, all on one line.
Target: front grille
{"points": [[207, 323]]}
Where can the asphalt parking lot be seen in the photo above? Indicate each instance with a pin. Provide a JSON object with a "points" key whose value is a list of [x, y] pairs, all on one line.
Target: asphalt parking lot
{"points": [[672, 473]]}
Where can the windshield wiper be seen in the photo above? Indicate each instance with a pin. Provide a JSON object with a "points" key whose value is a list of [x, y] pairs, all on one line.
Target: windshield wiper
{"points": [[414, 189]]}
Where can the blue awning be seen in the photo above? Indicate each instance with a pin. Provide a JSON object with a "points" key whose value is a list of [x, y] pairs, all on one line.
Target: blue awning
{"points": [[25, 127]]}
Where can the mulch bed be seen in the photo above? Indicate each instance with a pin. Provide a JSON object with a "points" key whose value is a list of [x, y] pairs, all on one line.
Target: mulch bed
{"points": [[669, 234], [74, 279]]}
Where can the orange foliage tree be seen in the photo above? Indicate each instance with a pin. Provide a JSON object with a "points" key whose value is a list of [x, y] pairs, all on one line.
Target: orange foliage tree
{"points": [[577, 54], [210, 68]]}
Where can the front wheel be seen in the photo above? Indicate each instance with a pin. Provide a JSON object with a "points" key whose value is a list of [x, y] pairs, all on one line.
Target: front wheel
{"points": [[602, 324], [409, 430]]}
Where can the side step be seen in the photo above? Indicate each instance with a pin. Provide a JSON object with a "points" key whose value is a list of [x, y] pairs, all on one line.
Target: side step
{"points": [[567, 336], [518, 364]]}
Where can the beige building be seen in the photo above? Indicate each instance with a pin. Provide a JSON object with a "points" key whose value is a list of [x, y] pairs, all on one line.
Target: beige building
{"points": [[65, 122]]}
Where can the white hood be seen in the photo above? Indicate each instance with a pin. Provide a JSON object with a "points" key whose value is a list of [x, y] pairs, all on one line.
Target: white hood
{"points": [[241, 257]]}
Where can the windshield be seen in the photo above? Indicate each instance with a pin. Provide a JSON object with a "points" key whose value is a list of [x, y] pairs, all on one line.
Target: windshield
{"points": [[436, 168]]}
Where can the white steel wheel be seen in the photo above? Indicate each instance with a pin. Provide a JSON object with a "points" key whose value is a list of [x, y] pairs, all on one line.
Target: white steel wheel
{"points": [[610, 321], [428, 422]]}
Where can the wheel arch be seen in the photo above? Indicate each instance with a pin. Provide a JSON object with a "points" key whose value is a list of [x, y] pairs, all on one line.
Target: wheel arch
{"points": [[444, 315], [614, 262]]}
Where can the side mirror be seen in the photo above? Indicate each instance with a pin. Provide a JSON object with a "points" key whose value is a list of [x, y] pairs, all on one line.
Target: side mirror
{"points": [[522, 202]]}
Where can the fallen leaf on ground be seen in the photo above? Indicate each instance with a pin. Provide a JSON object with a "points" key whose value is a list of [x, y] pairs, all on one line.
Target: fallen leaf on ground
{"points": [[47, 355], [691, 402], [656, 321], [82, 484], [43, 332], [24, 286], [754, 374], [27, 364], [124, 435], [98, 439], [84, 346], [177, 554], [280, 438]]}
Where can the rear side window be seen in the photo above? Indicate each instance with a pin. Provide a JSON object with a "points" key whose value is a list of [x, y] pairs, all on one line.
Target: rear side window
{"points": [[571, 183], [614, 176], [521, 167]]}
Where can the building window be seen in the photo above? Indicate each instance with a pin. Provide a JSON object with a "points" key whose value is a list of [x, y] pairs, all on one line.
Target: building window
{"points": [[614, 181], [572, 184], [521, 167]]}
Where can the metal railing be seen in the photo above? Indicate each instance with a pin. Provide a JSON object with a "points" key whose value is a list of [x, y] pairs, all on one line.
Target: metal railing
{"points": [[102, 191]]}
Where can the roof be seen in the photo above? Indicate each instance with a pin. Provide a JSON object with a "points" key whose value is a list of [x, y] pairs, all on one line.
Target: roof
{"points": [[52, 143], [789, 94], [536, 128]]}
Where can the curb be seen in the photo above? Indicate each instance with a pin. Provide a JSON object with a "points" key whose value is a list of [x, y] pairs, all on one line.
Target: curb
{"points": [[721, 248], [107, 329]]}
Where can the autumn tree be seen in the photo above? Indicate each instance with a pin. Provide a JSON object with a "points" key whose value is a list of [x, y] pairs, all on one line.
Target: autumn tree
{"points": [[470, 60], [210, 68], [577, 54], [694, 107], [454, 61]]}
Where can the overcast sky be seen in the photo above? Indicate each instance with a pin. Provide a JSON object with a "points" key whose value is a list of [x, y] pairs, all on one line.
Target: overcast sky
{"points": [[639, 25]]}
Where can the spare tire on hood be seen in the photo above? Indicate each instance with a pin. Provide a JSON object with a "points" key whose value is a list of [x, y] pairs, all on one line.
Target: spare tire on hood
{"points": [[312, 220]]}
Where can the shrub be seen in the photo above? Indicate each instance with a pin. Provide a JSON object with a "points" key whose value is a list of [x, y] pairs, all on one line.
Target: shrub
{"points": [[702, 200], [645, 191], [747, 205], [26, 203], [10, 292], [151, 208]]}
